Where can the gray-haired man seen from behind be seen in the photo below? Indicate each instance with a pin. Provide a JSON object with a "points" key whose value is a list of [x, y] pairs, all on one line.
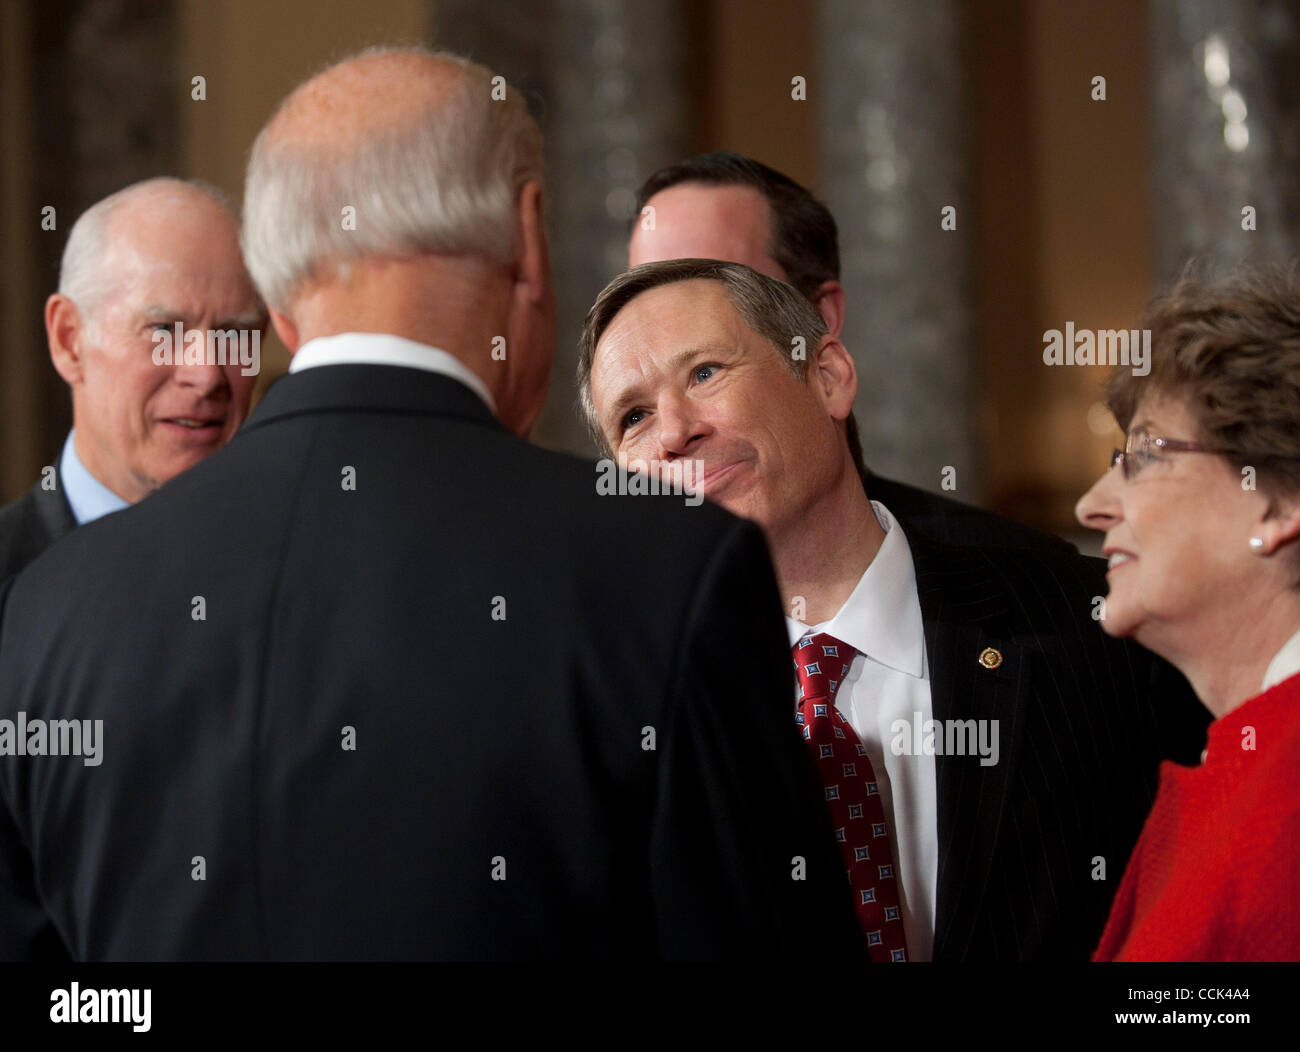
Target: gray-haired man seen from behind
{"points": [[415, 689], [156, 254]]}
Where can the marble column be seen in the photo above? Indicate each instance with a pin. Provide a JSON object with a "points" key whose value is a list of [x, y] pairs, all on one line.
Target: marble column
{"points": [[1225, 119], [605, 79], [892, 126]]}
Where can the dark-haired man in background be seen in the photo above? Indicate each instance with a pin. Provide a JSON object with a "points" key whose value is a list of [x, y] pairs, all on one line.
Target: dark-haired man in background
{"points": [[725, 206]]}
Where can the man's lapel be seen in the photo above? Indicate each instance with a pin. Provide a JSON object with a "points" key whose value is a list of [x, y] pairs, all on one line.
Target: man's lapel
{"points": [[53, 509], [976, 673]]}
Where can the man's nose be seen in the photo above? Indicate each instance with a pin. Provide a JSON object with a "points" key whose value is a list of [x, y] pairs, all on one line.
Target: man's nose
{"points": [[203, 377], [679, 427]]}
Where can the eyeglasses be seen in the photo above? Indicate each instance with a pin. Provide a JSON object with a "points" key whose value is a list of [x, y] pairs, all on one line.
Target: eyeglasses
{"points": [[1141, 448]]}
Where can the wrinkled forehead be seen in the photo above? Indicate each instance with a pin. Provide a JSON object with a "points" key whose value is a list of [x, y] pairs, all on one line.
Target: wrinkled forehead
{"points": [[659, 321], [188, 262], [159, 290], [660, 331], [696, 220]]}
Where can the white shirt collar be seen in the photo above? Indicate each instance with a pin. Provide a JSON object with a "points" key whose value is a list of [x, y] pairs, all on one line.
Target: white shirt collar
{"points": [[1285, 663], [378, 348], [882, 616], [88, 498]]}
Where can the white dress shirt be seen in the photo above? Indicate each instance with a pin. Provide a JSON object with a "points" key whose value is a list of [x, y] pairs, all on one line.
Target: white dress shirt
{"points": [[890, 680], [379, 348]]}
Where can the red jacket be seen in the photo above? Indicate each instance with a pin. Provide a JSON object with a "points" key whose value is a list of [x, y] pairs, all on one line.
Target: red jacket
{"points": [[1215, 875]]}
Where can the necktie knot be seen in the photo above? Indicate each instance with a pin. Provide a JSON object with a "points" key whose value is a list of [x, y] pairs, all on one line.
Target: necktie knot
{"points": [[821, 662]]}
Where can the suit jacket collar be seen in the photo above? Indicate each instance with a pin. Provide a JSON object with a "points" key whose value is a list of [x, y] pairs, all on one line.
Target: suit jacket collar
{"points": [[977, 672], [32, 523], [370, 388], [53, 511]]}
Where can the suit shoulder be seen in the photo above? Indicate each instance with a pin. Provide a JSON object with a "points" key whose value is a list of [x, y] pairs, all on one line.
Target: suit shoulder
{"points": [[950, 521], [22, 536], [15, 514], [1032, 585], [1065, 563], [1048, 572]]}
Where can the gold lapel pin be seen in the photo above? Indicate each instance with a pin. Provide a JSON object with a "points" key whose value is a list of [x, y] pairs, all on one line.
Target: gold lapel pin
{"points": [[990, 658]]}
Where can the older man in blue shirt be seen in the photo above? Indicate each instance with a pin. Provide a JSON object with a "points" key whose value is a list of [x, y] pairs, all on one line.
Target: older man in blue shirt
{"points": [[140, 267]]}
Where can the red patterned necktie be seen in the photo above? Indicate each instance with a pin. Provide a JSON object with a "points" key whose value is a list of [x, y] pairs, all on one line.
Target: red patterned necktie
{"points": [[852, 796]]}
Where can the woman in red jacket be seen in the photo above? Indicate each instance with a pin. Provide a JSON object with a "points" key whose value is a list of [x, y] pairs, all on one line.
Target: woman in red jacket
{"points": [[1201, 512]]}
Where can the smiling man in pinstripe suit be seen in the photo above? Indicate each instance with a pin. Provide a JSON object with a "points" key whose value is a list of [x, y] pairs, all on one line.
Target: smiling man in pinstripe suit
{"points": [[1013, 859]]}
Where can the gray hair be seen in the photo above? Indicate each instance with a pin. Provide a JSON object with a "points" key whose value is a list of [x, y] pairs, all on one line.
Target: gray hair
{"points": [[82, 273], [771, 308], [447, 183]]}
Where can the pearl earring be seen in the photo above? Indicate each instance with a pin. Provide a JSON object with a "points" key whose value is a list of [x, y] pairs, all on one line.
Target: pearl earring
{"points": [[1257, 544]]}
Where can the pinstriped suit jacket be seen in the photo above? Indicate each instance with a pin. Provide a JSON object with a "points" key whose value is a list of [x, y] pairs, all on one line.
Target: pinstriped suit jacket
{"points": [[1031, 849]]}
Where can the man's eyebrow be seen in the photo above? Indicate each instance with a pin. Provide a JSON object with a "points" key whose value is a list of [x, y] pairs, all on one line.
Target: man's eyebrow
{"points": [[244, 321], [155, 313], [632, 394]]}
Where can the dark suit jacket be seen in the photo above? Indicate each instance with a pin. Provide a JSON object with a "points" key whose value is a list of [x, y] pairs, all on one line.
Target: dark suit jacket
{"points": [[1081, 735], [949, 521], [31, 524], [504, 644]]}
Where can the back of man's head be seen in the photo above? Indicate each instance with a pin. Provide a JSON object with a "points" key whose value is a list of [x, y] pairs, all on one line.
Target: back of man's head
{"points": [[412, 141], [804, 239], [399, 191]]}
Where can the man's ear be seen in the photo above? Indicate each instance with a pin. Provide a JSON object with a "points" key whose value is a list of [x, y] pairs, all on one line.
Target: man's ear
{"points": [[530, 321], [828, 298], [533, 268], [835, 373], [65, 331], [285, 329]]}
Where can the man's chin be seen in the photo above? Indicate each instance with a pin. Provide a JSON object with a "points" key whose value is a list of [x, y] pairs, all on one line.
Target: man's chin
{"points": [[732, 502], [742, 505]]}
